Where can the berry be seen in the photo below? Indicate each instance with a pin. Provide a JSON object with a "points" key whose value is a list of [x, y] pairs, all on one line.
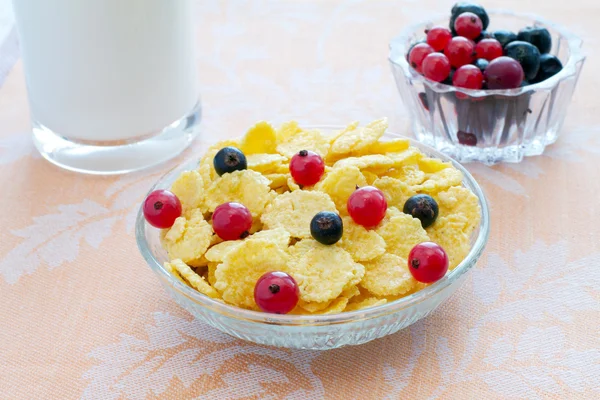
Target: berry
{"points": [[423, 207], [504, 37], [549, 66], [468, 25], [527, 55], [537, 36], [232, 221], [326, 227], [484, 35], [411, 47], [436, 67], [367, 206], [428, 262], [460, 51], [489, 49], [424, 101], [466, 138], [468, 77], [504, 73], [482, 64], [307, 167], [476, 9], [229, 159], [438, 37], [417, 55], [276, 292], [161, 208]]}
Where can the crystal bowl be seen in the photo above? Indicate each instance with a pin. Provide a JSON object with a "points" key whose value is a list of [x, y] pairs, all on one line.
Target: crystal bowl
{"points": [[489, 126], [318, 332]]}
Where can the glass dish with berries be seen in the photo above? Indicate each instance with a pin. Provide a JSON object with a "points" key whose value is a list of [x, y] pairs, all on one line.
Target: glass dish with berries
{"points": [[486, 86], [314, 238]]}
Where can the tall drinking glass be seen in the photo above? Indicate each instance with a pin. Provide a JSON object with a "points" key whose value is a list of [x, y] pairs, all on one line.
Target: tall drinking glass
{"points": [[112, 84]]}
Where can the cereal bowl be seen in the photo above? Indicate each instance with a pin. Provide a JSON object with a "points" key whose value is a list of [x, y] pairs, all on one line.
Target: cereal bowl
{"points": [[317, 332], [488, 126]]}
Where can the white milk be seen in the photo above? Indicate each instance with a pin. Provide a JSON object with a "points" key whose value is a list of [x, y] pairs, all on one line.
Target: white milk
{"points": [[107, 70]]}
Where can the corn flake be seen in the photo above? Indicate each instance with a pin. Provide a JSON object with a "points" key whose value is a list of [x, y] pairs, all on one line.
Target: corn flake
{"points": [[358, 139], [401, 233], [212, 268], [439, 181], [277, 180], [389, 146], [188, 239], [237, 275], [247, 187], [366, 303], [362, 244], [265, 163], [387, 275], [261, 138], [406, 157], [460, 201], [287, 131], [340, 183], [448, 233], [431, 165], [193, 279], [189, 188], [323, 272], [370, 177], [313, 307], [409, 174], [396, 192], [375, 163], [279, 236], [293, 211], [311, 140]]}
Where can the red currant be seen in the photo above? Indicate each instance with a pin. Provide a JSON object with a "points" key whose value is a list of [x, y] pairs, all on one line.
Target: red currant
{"points": [[428, 262], [468, 25], [468, 77], [460, 51], [504, 73], [417, 55], [232, 221], [436, 67], [307, 167], [489, 49], [438, 37], [367, 206], [466, 138], [276, 292], [161, 209]]}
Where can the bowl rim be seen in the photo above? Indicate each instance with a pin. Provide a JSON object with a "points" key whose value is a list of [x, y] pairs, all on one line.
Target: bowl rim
{"points": [[577, 55], [318, 320]]}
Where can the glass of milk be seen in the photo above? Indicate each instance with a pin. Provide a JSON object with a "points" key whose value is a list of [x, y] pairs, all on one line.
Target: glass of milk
{"points": [[112, 84]]}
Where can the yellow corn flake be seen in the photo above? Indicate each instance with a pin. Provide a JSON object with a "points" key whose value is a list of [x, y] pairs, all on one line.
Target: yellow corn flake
{"points": [[358, 139], [208, 174], [282, 190], [277, 180], [265, 163], [337, 306], [293, 211], [193, 279], [401, 233], [279, 236], [362, 244], [323, 272], [261, 138], [188, 239], [212, 268], [189, 188], [448, 233], [396, 192], [292, 185], [409, 174], [340, 183], [366, 303], [375, 163], [313, 307], [335, 135], [370, 177], [430, 165], [389, 146], [351, 292], [460, 201], [247, 187], [311, 140], [286, 131], [439, 181], [237, 275], [406, 157], [387, 275]]}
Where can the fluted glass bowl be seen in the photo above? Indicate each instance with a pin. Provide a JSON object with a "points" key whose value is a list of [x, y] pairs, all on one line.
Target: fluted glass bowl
{"points": [[489, 126], [319, 332]]}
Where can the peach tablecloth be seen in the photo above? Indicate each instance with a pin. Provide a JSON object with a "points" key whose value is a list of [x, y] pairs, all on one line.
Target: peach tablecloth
{"points": [[82, 316]]}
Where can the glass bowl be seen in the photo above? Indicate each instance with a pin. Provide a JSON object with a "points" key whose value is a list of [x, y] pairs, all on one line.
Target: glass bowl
{"points": [[489, 126], [317, 332]]}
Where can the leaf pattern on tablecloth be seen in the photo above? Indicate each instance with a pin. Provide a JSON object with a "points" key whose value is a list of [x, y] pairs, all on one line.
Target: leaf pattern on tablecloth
{"points": [[176, 353]]}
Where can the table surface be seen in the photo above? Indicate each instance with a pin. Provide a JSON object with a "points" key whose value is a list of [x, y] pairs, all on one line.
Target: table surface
{"points": [[84, 317]]}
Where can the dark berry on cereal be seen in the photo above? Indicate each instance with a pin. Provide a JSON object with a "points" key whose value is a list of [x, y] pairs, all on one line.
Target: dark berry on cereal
{"points": [[423, 207], [229, 159], [326, 227]]}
